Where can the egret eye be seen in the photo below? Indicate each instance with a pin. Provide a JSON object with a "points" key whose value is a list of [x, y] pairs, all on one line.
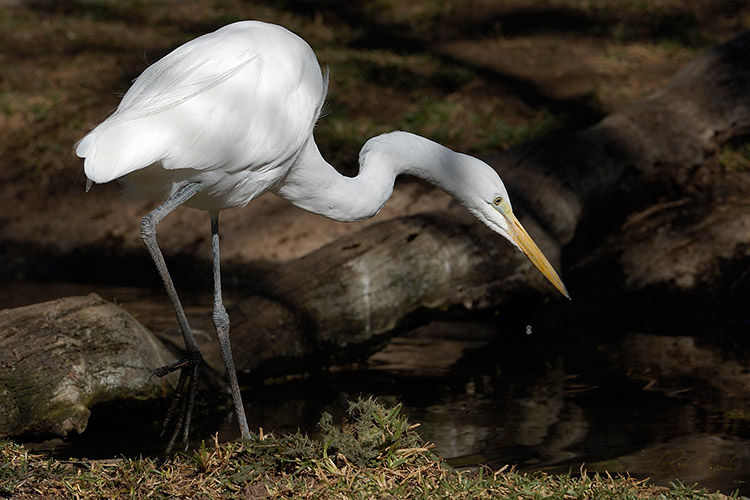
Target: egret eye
{"points": [[501, 204]]}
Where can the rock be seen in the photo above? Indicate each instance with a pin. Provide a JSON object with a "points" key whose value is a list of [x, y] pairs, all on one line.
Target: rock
{"points": [[59, 358]]}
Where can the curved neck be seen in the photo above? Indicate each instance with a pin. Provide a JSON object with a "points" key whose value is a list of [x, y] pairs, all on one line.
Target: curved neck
{"points": [[314, 185]]}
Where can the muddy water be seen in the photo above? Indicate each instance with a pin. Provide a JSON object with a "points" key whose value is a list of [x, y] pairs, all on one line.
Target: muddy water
{"points": [[540, 397]]}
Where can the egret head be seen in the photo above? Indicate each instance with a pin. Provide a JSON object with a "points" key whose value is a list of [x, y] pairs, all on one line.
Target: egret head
{"points": [[485, 195], [469, 180]]}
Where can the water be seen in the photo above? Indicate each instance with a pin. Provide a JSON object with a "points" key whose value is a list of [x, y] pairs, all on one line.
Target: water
{"points": [[538, 396]]}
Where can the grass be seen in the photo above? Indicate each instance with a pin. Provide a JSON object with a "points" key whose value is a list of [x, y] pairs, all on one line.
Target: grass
{"points": [[374, 453], [735, 158]]}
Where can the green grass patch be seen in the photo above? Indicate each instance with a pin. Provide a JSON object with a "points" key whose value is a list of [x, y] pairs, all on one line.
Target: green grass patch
{"points": [[735, 158]]}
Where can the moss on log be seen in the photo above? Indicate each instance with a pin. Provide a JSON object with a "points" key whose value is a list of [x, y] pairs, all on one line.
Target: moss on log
{"points": [[59, 358]]}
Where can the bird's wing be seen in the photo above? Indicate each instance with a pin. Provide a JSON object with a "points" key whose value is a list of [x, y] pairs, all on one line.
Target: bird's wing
{"points": [[176, 78], [239, 98]]}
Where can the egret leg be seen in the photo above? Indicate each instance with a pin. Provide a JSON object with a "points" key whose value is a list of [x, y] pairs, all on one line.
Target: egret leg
{"points": [[221, 322], [184, 396]]}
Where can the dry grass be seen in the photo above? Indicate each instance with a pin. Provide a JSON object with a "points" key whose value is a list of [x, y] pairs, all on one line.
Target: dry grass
{"points": [[375, 453]]}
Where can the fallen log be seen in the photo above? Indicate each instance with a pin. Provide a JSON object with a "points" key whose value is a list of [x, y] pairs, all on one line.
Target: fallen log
{"points": [[642, 199], [60, 358], [639, 181], [639, 200], [348, 297]]}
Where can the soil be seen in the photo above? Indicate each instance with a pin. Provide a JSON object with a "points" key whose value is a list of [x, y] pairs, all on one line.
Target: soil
{"points": [[474, 75]]}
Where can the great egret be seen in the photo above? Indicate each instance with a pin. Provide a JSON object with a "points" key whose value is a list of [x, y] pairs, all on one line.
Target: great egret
{"points": [[230, 115]]}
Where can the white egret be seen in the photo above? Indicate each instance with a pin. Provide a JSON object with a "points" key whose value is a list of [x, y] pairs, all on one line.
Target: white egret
{"points": [[230, 115]]}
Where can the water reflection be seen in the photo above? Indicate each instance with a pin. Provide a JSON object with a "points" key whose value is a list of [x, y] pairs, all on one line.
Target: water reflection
{"points": [[556, 403], [549, 403], [663, 407]]}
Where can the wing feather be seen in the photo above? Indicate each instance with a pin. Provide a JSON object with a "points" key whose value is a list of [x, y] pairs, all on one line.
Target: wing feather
{"points": [[243, 97]]}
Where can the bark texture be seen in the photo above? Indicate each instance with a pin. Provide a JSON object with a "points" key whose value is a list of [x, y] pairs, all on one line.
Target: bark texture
{"points": [[59, 358], [347, 297]]}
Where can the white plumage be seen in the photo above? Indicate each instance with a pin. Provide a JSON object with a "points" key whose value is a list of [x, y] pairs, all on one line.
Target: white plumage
{"points": [[229, 116], [194, 114]]}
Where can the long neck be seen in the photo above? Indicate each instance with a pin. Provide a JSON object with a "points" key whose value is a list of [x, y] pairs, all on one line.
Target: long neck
{"points": [[313, 184]]}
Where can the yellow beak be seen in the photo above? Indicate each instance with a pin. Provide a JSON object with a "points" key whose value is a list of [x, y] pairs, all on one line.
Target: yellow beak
{"points": [[527, 245]]}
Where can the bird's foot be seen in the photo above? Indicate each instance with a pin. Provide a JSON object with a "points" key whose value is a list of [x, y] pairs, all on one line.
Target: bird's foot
{"points": [[181, 409], [177, 365]]}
